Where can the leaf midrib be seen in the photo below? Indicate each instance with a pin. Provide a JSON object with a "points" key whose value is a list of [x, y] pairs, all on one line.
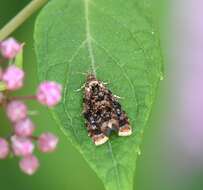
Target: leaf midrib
{"points": [[92, 59], [88, 36]]}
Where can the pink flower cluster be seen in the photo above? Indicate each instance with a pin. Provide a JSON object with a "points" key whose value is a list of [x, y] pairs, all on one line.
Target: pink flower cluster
{"points": [[22, 142]]}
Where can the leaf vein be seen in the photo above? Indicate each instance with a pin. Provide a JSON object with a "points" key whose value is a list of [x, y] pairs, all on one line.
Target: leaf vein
{"points": [[88, 36], [90, 50], [65, 92], [125, 28], [114, 161], [118, 64]]}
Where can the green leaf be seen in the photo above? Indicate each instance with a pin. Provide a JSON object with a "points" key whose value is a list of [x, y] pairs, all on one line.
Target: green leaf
{"points": [[117, 40], [19, 59]]}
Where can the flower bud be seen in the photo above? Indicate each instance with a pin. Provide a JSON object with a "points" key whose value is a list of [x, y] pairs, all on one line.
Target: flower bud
{"points": [[13, 77], [9, 48], [49, 93], [47, 142], [4, 148], [24, 128], [29, 164], [22, 146], [16, 110]]}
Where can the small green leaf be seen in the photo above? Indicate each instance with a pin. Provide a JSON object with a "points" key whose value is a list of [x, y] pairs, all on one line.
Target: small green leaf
{"points": [[19, 59], [118, 41]]}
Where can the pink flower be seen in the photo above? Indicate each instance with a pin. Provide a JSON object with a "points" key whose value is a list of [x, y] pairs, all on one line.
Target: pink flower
{"points": [[16, 111], [4, 148], [24, 128], [47, 142], [49, 93], [22, 146], [29, 164], [10, 48], [13, 77]]}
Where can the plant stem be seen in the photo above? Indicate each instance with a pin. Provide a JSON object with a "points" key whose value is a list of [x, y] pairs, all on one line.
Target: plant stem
{"points": [[22, 16], [31, 97]]}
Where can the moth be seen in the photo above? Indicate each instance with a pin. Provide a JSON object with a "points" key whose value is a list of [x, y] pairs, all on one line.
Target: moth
{"points": [[102, 112]]}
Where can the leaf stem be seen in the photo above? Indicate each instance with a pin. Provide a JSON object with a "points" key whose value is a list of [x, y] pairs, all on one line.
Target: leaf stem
{"points": [[22, 16]]}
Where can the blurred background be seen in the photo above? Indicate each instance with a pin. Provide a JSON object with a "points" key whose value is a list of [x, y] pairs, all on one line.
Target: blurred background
{"points": [[172, 151]]}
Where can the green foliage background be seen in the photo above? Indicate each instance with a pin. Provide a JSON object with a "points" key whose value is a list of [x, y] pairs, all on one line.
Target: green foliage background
{"points": [[66, 169]]}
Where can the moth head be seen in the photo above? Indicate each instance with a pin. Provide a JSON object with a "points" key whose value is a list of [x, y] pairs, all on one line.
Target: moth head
{"points": [[91, 77]]}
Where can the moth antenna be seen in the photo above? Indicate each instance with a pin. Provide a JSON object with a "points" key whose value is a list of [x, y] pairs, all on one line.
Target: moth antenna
{"points": [[81, 88]]}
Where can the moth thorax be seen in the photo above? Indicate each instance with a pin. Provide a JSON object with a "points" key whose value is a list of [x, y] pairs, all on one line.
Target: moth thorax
{"points": [[93, 83], [91, 77]]}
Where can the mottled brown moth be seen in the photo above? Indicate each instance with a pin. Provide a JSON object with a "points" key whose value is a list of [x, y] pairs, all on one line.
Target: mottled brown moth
{"points": [[103, 112]]}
